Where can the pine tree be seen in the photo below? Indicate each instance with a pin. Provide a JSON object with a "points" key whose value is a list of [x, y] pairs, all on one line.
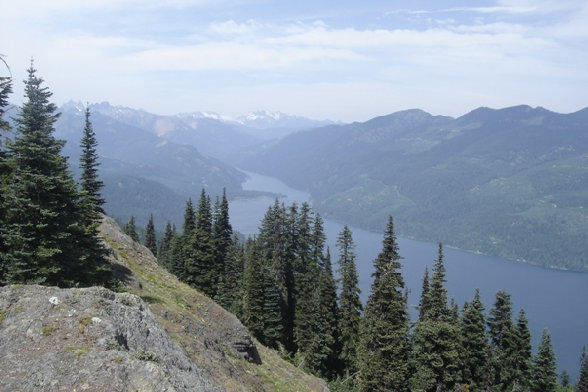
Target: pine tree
{"points": [[544, 375], [435, 356], [582, 385], [130, 229], [350, 307], [473, 343], [384, 337], [42, 229], [150, 240]]}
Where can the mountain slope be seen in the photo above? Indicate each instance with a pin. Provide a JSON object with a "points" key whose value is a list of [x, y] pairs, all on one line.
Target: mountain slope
{"points": [[131, 156], [510, 182], [160, 336]]}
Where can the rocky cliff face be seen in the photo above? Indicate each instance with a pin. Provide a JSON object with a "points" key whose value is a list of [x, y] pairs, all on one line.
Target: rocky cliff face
{"points": [[159, 335], [89, 339]]}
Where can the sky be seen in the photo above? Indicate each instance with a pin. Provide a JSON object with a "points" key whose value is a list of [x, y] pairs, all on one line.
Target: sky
{"points": [[343, 60]]}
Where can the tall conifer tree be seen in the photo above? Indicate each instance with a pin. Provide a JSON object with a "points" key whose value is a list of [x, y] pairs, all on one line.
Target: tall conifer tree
{"points": [[350, 307], [582, 385], [42, 231], [544, 375], [435, 357], [150, 239], [384, 334], [473, 341], [5, 170]]}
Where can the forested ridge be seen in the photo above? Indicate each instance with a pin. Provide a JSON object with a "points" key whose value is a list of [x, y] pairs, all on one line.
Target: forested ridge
{"points": [[282, 283]]}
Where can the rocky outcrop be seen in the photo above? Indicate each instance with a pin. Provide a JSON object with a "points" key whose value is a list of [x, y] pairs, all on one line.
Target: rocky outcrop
{"points": [[160, 335], [89, 339]]}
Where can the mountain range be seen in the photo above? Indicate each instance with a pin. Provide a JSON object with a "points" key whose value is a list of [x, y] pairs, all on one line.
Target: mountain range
{"points": [[510, 182]]}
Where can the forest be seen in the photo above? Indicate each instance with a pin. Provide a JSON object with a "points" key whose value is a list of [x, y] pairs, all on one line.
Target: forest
{"points": [[281, 283]]}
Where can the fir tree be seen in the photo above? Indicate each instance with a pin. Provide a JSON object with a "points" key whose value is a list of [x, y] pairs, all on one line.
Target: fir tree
{"points": [[521, 357], [90, 185], [165, 245], [199, 250], [5, 170], [222, 233], [544, 375], [328, 323], [91, 205], [424, 306], [384, 337], [435, 354], [130, 229], [350, 307], [230, 289], [502, 343], [582, 385], [253, 295], [272, 313], [42, 232], [473, 343], [277, 250], [150, 240]]}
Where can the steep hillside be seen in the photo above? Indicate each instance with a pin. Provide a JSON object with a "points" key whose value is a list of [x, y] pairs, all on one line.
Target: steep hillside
{"points": [[131, 156], [510, 182], [160, 336]]}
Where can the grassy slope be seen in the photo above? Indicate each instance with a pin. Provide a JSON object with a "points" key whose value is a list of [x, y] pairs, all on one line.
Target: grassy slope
{"points": [[198, 324]]}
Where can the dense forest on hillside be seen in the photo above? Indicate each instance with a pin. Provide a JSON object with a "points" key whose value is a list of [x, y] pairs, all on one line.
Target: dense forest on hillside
{"points": [[510, 182], [280, 283]]}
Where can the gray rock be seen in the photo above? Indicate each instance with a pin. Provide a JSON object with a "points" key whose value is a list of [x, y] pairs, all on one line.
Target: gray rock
{"points": [[88, 339]]}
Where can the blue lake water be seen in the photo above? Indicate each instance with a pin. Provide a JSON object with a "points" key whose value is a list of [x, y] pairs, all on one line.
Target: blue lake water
{"points": [[557, 300]]}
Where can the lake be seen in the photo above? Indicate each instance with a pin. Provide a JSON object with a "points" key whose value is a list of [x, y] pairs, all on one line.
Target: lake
{"points": [[553, 299]]}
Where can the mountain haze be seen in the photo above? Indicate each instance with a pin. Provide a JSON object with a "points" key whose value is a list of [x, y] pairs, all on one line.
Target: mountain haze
{"points": [[511, 182]]}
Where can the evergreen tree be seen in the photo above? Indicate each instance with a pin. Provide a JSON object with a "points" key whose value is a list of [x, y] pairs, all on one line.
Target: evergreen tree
{"points": [[230, 288], [165, 245], [328, 323], [5, 170], [424, 306], [384, 338], [253, 291], [150, 240], [521, 357], [90, 185], [272, 313], [42, 232], [199, 250], [473, 344], [544, 375], [502, 343], [277, 250], [222, 233], [130, 229], [350, 307], [91, 202], [435, 354], [582, 385], [189, 218]]}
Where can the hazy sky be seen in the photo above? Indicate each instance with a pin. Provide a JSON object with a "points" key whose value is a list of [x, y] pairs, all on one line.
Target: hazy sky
{"points": [[343, 60]]}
